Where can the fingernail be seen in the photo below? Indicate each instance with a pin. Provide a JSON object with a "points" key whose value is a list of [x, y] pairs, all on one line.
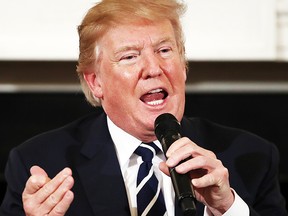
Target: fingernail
{"points": [[194, 182], [66, 172], [170, 162], [69, 179]]}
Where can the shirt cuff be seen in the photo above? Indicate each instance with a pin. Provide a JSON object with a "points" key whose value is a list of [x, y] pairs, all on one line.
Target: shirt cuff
{"points": [[238, 208]]}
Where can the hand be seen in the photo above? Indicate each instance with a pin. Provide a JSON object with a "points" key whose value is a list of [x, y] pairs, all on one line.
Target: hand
{"points": [[210, 178], [45, 196]]}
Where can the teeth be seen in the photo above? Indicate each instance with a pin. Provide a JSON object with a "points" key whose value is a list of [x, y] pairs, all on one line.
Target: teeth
{"points": [[155, 91], [156, 102]]}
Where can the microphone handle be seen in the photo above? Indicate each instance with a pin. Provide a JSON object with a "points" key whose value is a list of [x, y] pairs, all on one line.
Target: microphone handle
{"points": [[181, 182]]}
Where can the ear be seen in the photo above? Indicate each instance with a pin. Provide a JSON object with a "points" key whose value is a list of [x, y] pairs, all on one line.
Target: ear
{"points": [[185, 71], [94, 83]]}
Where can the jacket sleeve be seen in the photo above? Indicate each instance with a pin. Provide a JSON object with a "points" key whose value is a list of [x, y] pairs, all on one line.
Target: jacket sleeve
{"points": [[269, 200], [16, 175]]}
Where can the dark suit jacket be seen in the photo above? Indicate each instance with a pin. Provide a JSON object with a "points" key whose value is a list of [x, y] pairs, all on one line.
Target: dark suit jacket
{"points": [[87, 148]]}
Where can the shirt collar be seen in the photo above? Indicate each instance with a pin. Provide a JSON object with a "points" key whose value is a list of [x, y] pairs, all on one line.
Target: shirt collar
{"points": [[125, 143]]}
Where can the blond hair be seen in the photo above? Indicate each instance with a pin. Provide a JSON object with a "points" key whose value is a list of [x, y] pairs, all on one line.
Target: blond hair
{"points": [[108, 13]]}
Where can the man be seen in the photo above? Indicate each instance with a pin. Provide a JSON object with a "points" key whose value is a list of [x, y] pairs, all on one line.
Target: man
{"points": [[132, 63]]}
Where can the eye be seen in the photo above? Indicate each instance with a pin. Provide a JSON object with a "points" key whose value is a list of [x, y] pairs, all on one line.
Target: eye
{"points": [[165, 51], [129, 57]]}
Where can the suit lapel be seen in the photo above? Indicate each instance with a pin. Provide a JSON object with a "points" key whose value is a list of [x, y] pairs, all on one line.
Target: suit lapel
{"points": [[189, 129], [100, 173]]}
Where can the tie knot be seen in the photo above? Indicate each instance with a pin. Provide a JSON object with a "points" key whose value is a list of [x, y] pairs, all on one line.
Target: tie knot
{"points": [[147, 151]]}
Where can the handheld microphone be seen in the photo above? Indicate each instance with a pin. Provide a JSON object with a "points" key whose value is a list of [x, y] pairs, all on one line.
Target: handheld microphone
{"points": [[167, 130]]}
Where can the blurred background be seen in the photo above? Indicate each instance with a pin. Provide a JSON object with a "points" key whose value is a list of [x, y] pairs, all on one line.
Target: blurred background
{"points": [[238, 68]]}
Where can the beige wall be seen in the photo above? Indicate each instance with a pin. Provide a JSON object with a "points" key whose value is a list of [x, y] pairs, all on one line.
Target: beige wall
{"points": [[215, 29]]}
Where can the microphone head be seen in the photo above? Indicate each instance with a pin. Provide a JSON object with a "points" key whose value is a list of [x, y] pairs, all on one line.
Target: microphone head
{"points": [[166, 123]]}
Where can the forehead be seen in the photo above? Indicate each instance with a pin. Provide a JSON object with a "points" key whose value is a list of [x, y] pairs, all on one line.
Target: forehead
{"points": [[138, 33]]}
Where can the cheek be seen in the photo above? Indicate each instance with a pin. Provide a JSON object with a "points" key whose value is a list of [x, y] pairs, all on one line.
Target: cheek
{"points": [[125, 78], [176, 73], [119, 88]]}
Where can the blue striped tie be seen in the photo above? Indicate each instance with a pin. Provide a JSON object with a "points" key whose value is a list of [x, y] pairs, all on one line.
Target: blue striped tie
{"points": [[150, 200]]}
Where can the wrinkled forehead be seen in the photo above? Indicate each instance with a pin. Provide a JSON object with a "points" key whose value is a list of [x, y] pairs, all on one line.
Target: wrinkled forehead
{"points": [[138, 34]]}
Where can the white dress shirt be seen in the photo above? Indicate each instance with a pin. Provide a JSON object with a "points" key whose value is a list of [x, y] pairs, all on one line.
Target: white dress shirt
{"points": [[125, 145]]}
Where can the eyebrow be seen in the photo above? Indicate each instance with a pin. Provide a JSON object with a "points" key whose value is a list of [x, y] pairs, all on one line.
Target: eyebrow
{"points": [[127, 48], [164, 40], [137, 46]]}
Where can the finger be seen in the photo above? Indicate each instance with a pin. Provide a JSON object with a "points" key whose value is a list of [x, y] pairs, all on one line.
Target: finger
{"points": [[57, 195], [61, 208], [218, 178], [189, 147], [43, 193], [198, 163], [164, 168], [178, 144], [184, 149]]}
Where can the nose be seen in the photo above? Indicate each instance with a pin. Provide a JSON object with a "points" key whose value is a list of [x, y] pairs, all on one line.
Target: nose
{"points": [[151, 66]]}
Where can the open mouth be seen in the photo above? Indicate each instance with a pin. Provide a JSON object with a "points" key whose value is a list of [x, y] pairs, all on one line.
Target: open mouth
{"points": [[154, 97]]}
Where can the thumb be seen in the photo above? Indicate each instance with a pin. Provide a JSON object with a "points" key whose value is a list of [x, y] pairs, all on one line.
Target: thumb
{"points": [[37, 179], [36, 170], [164, 168]]}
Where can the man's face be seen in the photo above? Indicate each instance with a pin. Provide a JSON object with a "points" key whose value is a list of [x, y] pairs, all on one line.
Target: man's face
{"points": [[140, 76]]}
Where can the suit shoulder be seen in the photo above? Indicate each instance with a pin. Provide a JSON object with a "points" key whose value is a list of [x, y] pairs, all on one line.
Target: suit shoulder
{"points": [[217, 137], [67, 135]]}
